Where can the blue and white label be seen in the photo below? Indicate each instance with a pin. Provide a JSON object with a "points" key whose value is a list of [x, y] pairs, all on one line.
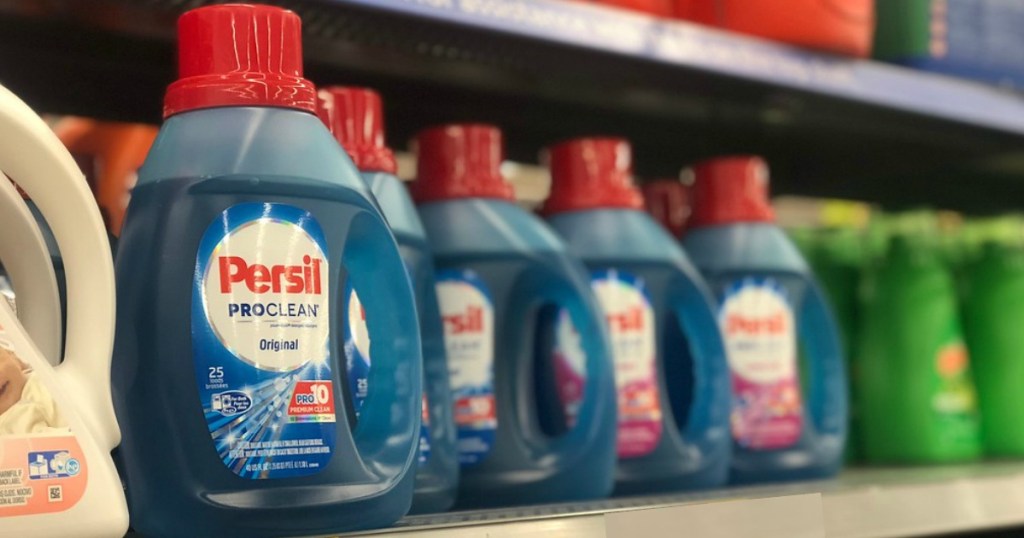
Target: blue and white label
{"points": [[468, 314], [45, 465], [357, 348], [260, 339]]}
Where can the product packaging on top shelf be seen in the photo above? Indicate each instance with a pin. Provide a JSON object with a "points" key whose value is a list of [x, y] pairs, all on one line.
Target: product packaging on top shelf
{"points": [[838, 26], [916, 392], [512, 297], [660, 8], [247, 224], [356, 118], [673, 381], [789, 420], [978, 39]]}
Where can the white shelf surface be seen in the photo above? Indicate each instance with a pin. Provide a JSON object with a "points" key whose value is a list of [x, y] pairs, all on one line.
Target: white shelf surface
{"points": [[863, 503]]}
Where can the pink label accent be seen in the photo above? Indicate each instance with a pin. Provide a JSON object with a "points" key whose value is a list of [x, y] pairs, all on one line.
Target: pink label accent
{"points": [[570, 367], [40, 475]]}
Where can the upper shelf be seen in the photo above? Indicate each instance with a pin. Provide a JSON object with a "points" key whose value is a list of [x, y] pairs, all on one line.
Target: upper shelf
{"points": [[674, 44], [545, 70]]}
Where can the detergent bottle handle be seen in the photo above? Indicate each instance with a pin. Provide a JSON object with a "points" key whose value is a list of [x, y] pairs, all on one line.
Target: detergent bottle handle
{"points": [[389, 419], [598, 408], [33, 155], [28, 264], [711, 403], [828, 396]]}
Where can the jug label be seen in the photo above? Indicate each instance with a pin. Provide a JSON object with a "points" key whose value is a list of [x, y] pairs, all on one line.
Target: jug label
{"points": [[424, 431], [954, 400], [42, 466], [468, 315], [760, 339], [357, 348], [631, 325], [570, 364], [260, 338]]}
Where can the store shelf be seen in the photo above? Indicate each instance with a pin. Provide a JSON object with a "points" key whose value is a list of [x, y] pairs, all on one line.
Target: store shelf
{"points": [[861, 504], [548, 69]]}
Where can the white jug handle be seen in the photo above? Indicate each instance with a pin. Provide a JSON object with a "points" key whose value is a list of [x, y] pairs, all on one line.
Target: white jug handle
{"points": [[32, 154], [26, 261]]}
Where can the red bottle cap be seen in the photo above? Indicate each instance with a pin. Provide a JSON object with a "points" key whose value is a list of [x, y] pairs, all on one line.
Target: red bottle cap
{"points": [[591, 173], [356, 118], [460, 161], [239, 55], [668, 202], [728, 190]]}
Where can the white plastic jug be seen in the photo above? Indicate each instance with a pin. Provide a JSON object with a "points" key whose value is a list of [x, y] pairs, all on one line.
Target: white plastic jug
{"points": [[57, 423]]}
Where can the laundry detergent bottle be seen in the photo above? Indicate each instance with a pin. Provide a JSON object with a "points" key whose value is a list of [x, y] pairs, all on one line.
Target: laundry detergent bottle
{"points": [[246, 227], [356, 118], [57, 424], [785, 426], [993, 317], [917, 395], [670, 369], [512, 297]]}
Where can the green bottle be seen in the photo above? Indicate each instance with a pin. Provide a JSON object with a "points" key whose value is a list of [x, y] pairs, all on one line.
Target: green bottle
{"points": [[917, 398], [994, 321]]}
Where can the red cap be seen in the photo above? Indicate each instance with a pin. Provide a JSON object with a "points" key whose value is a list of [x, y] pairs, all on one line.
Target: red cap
{"points": [[668, 202], [356, 118], [239, 55], [591, 173], [460, 161], [730, 189]]}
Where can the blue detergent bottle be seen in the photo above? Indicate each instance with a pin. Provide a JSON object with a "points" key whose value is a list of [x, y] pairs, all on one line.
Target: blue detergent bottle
{"points": [[505, 282], [355, 116], [788, 418], [670, 368], [247, 223]]}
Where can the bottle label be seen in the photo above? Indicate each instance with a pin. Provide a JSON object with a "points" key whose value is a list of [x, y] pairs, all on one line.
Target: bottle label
{"points": [[631, 326], [468, 315], [955, 401], [260, 336], [424, 431], [357, 348], [42, 466], [760, 339], [570, 362]]}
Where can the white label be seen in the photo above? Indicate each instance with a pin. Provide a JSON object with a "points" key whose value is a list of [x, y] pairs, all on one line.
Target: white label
{"points": [[759, 334], [631, 325]]}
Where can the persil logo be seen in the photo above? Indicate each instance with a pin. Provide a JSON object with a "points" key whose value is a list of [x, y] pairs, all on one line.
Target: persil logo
{"points": [[629, 320], [772, 324], [758, 326], [471, 320], [260, 279], [267, 282]]}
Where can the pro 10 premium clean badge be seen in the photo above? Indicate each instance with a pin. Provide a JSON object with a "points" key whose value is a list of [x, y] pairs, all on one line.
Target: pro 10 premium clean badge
{"points": [[261, 333]]}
